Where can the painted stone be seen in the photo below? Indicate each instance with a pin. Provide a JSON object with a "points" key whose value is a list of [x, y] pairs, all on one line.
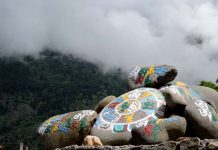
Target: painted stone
{"points": [[202, 119], [66, 129], [104, 102], [200, 104], [159, 130], [135, 108], [179, 93], [152, 76], [208, 94]]}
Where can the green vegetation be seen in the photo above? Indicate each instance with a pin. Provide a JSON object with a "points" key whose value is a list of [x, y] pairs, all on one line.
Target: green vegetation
{"points": [[34, 89], [209, 84]]}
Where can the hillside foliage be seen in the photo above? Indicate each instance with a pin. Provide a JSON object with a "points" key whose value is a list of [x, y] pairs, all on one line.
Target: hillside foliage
{"points": [[34, 89], [209, 84]]}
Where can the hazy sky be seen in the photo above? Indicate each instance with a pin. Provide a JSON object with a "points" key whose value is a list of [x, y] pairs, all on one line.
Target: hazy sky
{"points": [[121, 33]]}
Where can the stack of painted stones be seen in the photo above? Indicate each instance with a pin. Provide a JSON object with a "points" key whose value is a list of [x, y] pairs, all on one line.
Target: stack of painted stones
{"points": [[156, 110]]}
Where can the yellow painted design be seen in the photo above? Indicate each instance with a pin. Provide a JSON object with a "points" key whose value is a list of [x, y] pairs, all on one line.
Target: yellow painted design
{"points": [[159, 121], [144, 95], [129, 118], [181, 84], [55, 128], [125, 96], [150, 71]]}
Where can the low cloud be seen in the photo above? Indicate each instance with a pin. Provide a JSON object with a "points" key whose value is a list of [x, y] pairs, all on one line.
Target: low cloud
{"points": [[121, 33]]}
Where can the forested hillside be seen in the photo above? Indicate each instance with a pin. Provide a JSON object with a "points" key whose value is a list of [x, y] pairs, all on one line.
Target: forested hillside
{"points": [[33, 89]]}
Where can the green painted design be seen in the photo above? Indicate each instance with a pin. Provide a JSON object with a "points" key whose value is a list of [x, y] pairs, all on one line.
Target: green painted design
{"points": [[48, 129], [84, 123], [124, 106], [214, 114], [155, 132], [118, 128], [147, 80], [148, 105], [214, 118], [143, 71], [153, 121], [68, 122]]}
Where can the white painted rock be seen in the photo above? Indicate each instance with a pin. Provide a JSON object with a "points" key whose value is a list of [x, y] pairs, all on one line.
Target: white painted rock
{"points": [[135, 108], [202, 118], [151, 76], [199, 107], [66, 129]]}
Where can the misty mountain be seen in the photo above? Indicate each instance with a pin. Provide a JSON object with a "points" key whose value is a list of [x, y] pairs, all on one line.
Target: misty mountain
{"points": [[33, 89], [121, 33]]}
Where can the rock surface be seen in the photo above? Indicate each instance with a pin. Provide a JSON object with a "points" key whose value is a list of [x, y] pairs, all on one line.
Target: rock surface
{"points": [[135, 108], [202, 119], [193, 143], [151, 76], [104, 102], [208, 94], [201, 116], [66, 129], [160, 130], [91, 141]]}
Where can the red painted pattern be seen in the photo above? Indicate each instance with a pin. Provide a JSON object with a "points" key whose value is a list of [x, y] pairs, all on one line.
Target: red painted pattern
{"points": [[75, 124], [148, 130], [139, 80], [113, 105]]}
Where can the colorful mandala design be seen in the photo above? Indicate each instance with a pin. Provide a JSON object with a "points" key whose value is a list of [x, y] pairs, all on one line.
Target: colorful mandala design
{"points": [[134, 108]]}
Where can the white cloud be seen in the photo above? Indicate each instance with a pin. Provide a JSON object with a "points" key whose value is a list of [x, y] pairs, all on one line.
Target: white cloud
{"points": [[121, 33]]}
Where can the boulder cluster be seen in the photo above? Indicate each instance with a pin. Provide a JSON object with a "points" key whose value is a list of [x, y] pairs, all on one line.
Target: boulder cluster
{"points": [[157, 109]]}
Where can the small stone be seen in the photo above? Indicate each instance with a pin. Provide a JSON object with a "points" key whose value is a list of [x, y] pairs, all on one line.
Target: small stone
{"points": [[213, 145], [91, 141], [190, 144]]}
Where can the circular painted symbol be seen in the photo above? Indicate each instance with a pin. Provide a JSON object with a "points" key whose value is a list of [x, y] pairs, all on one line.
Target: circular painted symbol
{"points": [[136, 107]]}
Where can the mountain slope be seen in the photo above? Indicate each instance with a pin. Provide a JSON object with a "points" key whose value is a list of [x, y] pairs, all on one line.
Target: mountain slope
{"points": [[33, 89]]}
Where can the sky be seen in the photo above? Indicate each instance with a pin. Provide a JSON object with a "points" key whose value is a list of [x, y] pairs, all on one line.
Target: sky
{"points": [[117, 33]]}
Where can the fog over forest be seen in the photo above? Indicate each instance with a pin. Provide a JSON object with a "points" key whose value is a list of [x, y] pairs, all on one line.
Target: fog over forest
{"points": [[121, 33]]}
